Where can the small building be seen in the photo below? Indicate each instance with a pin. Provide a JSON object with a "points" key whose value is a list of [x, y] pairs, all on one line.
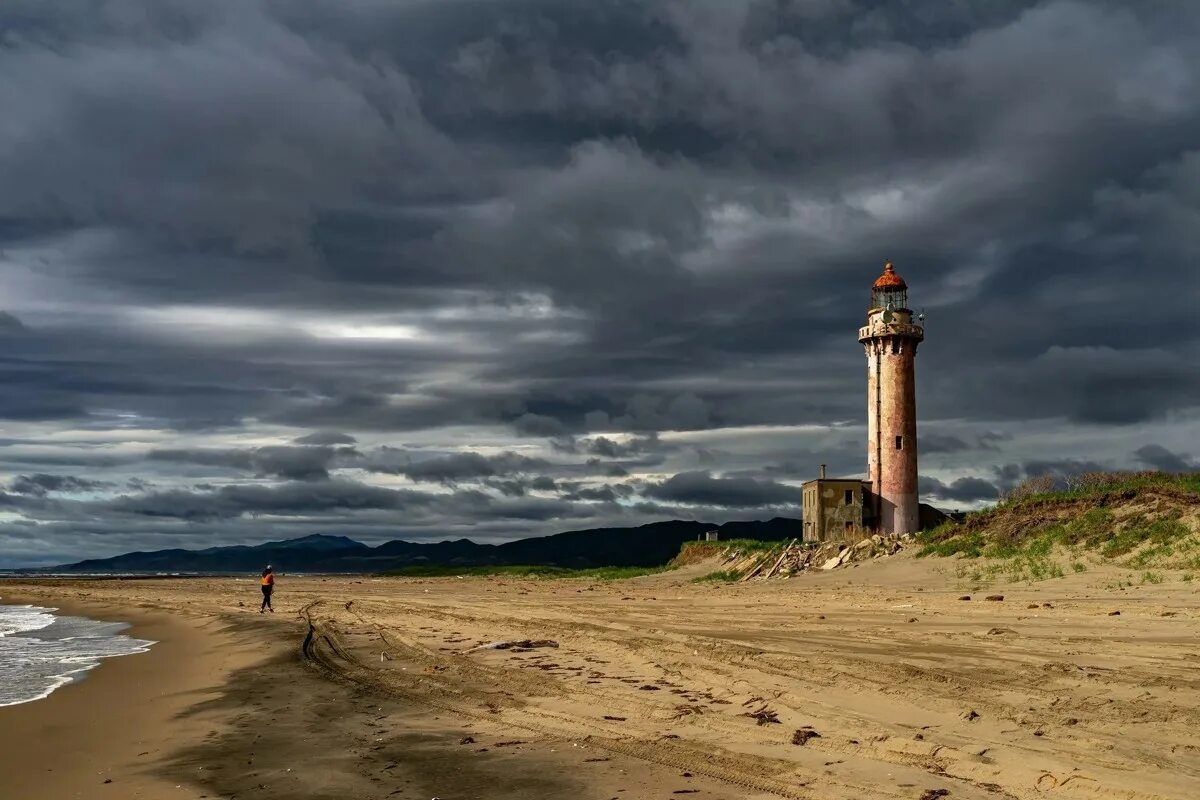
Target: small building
{"points": [[837, 509]]}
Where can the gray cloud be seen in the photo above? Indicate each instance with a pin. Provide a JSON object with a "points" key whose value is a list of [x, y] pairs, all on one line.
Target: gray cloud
{"points": [[700, 487]]}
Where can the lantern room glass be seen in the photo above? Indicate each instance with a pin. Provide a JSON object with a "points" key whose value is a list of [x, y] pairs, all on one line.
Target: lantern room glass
{"points": [[894, 299]]}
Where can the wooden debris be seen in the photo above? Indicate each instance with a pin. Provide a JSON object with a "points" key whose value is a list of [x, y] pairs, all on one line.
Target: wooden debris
{"points": [[794, 556], [802, 736], [764, 716], [524, 644]]}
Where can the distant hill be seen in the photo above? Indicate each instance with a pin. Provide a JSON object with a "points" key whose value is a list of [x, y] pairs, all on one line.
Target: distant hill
{"points": [[644, 546]]}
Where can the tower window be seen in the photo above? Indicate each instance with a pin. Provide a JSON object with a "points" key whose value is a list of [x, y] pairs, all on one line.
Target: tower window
{"points": [[849, 496], [899, 442]]}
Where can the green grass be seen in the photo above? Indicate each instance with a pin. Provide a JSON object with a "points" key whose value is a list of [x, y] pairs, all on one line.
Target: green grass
{"points": [[524, 571], [1079, 566], [969, 545], [1159, 532], [1152, 577], [720, 576], [1026, 567], [939, 532]]}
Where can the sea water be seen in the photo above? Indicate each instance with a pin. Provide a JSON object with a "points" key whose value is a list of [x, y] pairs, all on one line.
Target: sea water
{"points": [[39, 651]]}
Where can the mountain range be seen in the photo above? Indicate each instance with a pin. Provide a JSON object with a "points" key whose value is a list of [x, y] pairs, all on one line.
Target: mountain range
{"points": [[643, 546]]}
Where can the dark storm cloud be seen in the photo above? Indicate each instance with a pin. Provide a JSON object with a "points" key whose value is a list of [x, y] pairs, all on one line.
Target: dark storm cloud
{"points": [[42, 484], [450, 468], [603, 446], [1156, 456], [298, 463], [610, 493], [948, 443], [292, 498], [1062, 467], [964, 490], [633, 452], [508, 488], [703, 489], [539, 228], [143, 97], [325, 438], [539, 425], [1009, 475], [935, 443]]}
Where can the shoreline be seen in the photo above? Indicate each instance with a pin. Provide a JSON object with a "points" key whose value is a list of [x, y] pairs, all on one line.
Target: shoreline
{"points": [[100, 734]]}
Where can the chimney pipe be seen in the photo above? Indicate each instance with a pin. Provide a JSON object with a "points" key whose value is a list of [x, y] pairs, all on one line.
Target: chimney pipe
{"points": [[822, 472]]}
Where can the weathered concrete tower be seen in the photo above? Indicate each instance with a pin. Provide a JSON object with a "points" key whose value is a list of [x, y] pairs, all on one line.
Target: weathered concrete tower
{"points": [[890, 338]]}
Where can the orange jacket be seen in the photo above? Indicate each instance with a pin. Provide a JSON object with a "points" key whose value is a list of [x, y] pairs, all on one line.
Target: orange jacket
{"points": [[268, 579]]}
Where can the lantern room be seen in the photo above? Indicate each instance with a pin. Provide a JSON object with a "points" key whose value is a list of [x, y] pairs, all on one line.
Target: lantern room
{"points": [[889, 292]]}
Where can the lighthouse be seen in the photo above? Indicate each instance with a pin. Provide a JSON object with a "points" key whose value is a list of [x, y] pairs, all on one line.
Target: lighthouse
{"points": [[890, 339], [847, 509]]}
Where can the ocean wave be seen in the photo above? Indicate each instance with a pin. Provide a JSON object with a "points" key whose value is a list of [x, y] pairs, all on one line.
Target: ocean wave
{"points": [[41, 652]]}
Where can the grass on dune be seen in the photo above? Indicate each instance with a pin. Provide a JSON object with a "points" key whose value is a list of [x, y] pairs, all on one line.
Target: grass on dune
{"points": [[1024, 531]]}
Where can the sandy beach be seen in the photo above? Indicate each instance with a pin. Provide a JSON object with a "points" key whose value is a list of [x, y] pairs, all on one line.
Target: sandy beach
{"points": [[871, 682]]}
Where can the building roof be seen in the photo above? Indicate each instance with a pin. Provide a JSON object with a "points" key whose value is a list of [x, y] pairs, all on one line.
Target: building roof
{"points": [[836, 480], [889, 279]]}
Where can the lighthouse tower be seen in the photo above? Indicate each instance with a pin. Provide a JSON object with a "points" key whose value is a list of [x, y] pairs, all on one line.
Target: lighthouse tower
{"points": [[890, 338]]}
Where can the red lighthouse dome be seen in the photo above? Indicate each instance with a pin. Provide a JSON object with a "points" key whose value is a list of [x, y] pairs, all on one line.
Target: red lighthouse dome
{"points": [[889, 279]]}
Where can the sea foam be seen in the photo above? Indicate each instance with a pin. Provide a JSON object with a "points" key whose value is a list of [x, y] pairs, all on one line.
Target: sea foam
{"points": [[40, 652]]}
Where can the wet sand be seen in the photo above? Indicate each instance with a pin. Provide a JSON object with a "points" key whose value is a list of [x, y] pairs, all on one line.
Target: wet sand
{"points": [[661, 686]]}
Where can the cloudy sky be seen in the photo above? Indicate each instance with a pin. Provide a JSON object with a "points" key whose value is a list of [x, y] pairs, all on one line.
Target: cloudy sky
{"points": [[497, 268]]}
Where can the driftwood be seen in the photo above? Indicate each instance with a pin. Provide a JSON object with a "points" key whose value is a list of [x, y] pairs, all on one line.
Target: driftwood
{"points": [[762, 562], [779, 561]]}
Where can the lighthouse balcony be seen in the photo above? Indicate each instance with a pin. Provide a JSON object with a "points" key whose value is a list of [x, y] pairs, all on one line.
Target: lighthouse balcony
{"points": [[878, 329]]}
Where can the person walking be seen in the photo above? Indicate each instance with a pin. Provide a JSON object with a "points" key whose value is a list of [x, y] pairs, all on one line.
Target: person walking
{"points": [[268, 586]]}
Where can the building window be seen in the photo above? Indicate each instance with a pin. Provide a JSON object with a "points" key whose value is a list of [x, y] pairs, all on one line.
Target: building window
{"points": [[899, 442], [849, 496]]}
